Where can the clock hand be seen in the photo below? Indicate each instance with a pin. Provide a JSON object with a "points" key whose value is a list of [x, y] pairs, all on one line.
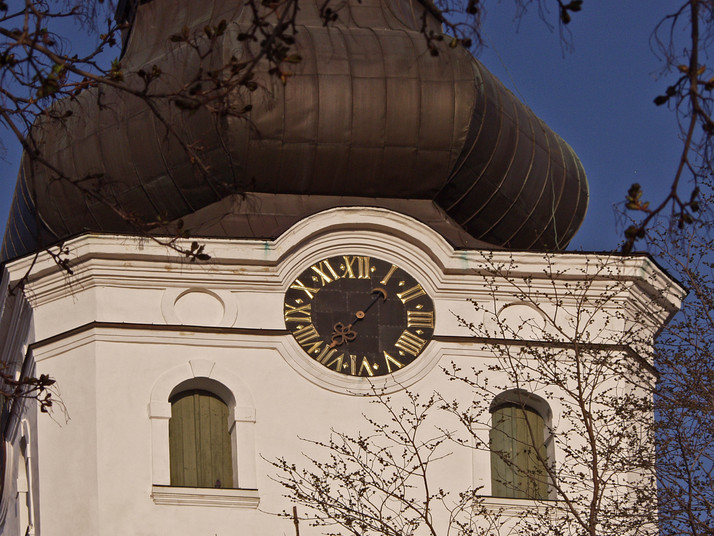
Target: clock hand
{"points": [[381, 293], [344, 333]]}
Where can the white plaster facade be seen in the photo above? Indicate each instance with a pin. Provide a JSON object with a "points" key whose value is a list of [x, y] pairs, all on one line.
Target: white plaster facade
{"points": [[135, 322]]}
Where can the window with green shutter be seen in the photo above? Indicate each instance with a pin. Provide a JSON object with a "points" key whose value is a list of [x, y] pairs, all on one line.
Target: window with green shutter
{"points": [[518, 453], [199, 441]]}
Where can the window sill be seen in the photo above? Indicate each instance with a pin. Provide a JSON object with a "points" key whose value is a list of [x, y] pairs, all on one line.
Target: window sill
{"points": [[505, 504], [228, 498]]}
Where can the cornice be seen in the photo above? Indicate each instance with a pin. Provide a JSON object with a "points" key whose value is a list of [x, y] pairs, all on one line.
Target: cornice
{"points": [[126, 261], [575, 282]]}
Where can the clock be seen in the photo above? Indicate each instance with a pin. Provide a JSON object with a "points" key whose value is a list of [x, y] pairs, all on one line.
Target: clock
{"points": [[359, 315]]}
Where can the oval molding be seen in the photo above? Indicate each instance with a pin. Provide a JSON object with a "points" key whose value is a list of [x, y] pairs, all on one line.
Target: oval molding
{"points": [[199, 307]]}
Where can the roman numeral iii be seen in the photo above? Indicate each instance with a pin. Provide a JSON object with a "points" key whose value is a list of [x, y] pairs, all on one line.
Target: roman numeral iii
{"points": [[420, 319]]}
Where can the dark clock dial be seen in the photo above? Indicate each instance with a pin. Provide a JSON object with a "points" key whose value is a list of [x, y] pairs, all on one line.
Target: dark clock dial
{"points": [[359, 315]]}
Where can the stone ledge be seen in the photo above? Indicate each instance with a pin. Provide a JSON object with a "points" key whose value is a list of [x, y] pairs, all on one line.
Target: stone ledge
{"points": [[228, 498], [507, 505]]}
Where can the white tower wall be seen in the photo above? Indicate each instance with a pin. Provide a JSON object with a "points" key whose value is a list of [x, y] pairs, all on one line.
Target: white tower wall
{"points": [[134, 322]]}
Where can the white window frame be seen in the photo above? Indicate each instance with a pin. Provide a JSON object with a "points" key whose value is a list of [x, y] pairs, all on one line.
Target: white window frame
{"points": [[207, 375], [541, 406]]}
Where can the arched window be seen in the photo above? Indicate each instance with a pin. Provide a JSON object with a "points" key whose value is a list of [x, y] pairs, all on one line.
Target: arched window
{"points": [[25, 509], [173, 405], [199, 441], [518, 452], [23, 490]]}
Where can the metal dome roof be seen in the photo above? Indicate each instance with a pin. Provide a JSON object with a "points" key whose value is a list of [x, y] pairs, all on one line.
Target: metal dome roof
{"points": [[368, 114]]}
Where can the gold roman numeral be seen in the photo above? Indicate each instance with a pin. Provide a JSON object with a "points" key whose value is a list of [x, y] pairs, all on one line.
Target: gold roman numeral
{"points": [[390, 273], [410, 343], [390, 360], [321, 269], [365, 366], [420, 319], [362, 267], [298, 313], [297, 285], [411, 293], [305, 335], [308, 338], [313, 348], [337, 362], [326, 353]]}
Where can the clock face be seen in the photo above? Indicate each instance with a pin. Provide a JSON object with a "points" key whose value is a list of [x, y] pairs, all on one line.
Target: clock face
{"points": [[359, 315]]}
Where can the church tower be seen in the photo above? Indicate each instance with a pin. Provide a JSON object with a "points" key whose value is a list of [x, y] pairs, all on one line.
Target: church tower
{"points": [[387, 224]]}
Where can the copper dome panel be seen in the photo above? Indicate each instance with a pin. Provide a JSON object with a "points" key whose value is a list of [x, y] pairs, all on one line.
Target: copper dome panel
{"points": [[369, 113]]}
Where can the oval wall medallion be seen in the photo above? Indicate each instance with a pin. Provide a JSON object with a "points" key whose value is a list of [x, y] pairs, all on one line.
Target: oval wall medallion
{"points": [[199, 307]]}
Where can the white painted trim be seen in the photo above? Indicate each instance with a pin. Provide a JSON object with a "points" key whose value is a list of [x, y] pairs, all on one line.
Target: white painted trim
{"points": [[517, 506], [227, 498], [120, 260], [140, 335]]}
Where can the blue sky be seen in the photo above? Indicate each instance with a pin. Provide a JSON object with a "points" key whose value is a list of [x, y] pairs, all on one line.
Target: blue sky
{"points": [[597, 97]]}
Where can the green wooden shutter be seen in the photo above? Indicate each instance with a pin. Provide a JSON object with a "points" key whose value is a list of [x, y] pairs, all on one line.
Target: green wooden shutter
{"points": [[517, 442], [199, 443]]}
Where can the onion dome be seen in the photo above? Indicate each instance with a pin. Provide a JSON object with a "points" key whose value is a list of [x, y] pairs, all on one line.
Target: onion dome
{"points": [[368, 117]]}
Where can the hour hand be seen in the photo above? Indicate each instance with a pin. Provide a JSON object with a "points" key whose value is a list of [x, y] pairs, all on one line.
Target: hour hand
{"points": [[342, 334], [381, 293]]}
